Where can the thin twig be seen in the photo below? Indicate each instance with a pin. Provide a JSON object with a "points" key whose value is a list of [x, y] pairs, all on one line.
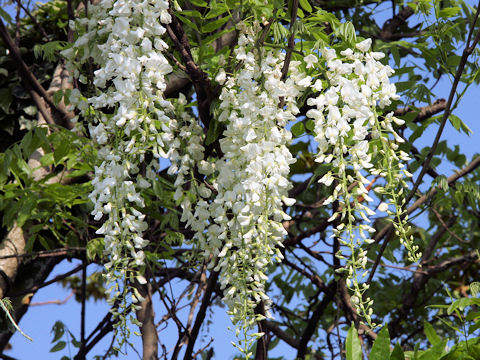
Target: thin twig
{"points": [[291, 40], [447, 228], [37, 24], [54, 280], [84, 297], [212, 282], [463, 61], [45, 253], [202, 349], [28, 77], [420, 201], [55, 302]]}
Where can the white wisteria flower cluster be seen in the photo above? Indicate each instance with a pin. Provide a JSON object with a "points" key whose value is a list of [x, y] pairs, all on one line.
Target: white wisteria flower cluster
{"points": [[129, 118], [240, 232], [358, 142], [234, 203]]}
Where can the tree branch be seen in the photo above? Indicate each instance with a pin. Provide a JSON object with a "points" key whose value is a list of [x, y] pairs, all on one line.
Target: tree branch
{"points": [[463, 61], [42, 285], [61, 114], [212, 282], [200, 80], [291, 40], [312, 323], [84, 298], [274, 328], [421, 278], [420, 201], [424, 112], [146, 316], [261, 352], [391, 26]]}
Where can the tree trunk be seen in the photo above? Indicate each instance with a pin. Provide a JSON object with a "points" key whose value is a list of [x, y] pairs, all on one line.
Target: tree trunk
{"points": [[146, 315]]}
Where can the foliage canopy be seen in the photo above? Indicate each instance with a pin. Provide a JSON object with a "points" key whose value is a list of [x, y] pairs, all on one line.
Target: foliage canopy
{"points": [[250, 155]]}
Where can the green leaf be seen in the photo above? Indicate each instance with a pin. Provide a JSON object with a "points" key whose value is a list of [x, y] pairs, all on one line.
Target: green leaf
{"points": [[213, 132], [187, 22], [347, 31], [199, 3], [216, 9], [397, 353], [353, 346], [6, 306], [47, 159], [192, 13], [298, 129], [473, 328], [435, 352], [66, 96], [157, 189], [25, 144], [415, 351], [396, 55], [30, 110], [455, 121], [216, 35], [475, 288], [449, 12], [404, 85], [6, 16], [57, 97], [26, 210], [458, 124], [44, 242], [381, 346], [310, 125], [459, 304], [61, 151], [5, 99], [23, 166], [58, 346], [306, 5], [49, 51], [95, 248], [75, 342], [58, 330], [430, 333], [214, 25]]}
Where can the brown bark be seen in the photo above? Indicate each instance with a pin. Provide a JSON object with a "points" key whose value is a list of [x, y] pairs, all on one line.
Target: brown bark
{"points": [[424, 112], [15, 241], [392, 26], [29, 274], [14, 244], [146, 315], [59, 112]]}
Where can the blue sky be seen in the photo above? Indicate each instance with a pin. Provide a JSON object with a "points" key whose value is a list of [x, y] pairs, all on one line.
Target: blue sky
{"points": [[39, 319]]}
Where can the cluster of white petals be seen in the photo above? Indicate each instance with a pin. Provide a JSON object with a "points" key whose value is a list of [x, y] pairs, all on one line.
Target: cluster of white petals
{"points": [[245, 231], [186, 155], [129, 118], [234, 204], [358, 143]]}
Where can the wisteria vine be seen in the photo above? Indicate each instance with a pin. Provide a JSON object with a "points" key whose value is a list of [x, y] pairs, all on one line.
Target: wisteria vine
{"points": [[358, 142], [234, 204], [128, 119]]}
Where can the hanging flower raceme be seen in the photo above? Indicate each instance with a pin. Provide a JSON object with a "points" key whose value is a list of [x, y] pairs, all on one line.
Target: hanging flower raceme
{"points": [[233, 204], [358, 142], [128, 118], [251, 179]]}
